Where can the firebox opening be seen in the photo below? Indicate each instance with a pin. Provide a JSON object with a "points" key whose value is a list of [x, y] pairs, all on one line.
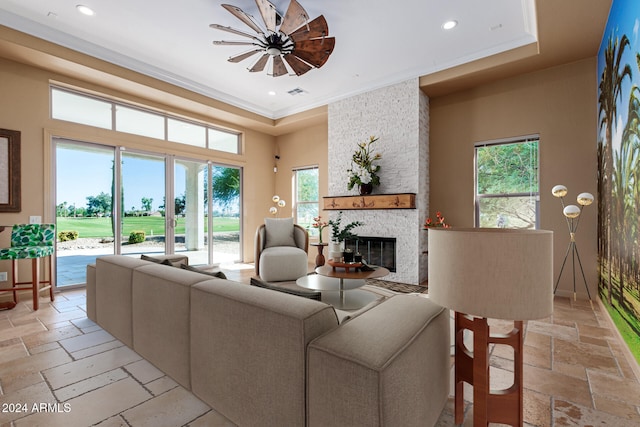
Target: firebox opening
{"points": [[375, 250]]}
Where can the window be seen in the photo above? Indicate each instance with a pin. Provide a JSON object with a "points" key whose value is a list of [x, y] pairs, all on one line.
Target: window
{"points": [[101, 112], [507, 185], [186, 133], [307, 195], [80, 109], [139, 122]]}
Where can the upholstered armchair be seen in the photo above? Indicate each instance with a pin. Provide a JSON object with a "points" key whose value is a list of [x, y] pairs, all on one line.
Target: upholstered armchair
{"points": [[281, 250]]}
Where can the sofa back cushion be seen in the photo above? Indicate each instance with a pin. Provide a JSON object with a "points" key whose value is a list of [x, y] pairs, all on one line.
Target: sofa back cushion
{"points": [[248, 351], [161, 316], [113, 295]]}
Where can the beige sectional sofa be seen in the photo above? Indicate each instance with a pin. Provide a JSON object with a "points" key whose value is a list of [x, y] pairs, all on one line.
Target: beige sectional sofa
{"points": [[261, 357]]}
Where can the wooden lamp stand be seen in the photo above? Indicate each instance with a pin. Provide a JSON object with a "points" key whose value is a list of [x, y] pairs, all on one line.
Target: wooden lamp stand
{"points": [[495, 406]]}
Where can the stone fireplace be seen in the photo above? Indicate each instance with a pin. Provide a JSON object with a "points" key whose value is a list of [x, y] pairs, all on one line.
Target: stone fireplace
{"points": [[399, 116]]}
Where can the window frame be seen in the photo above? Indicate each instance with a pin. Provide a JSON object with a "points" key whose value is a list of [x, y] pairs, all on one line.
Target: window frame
{"points": [[207, 128], [312, 231], [535, 195]]}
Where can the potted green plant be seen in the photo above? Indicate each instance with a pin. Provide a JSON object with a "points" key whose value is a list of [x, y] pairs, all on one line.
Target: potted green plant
{"points": [[339, 234]]}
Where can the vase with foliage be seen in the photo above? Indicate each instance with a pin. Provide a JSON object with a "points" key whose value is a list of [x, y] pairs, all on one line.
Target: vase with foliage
{"points": [[364, 172], [339, 234]]}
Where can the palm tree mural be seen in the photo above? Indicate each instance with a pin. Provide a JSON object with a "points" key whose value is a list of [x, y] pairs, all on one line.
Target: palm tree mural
{"points": [[610, 91]]}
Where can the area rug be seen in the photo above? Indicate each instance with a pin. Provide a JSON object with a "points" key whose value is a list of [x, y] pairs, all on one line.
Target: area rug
{"points": [[397, 286]]}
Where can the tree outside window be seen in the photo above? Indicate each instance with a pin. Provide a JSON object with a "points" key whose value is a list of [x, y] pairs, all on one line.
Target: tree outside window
{"points": [[507, 185], [307, 195]]}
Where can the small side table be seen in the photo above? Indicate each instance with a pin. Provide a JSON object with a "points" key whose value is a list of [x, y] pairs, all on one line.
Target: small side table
{"points": [[319, 257]]}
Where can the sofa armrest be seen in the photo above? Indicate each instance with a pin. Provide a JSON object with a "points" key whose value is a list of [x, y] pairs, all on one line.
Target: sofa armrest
{"points": [[388, 366]]}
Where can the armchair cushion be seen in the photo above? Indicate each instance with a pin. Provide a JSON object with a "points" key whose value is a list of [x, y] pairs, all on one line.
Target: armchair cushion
{"points": [[282, 263], [279, 232]]}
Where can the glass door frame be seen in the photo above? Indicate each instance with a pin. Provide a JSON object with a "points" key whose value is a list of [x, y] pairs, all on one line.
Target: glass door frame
{"points": [[50, 197]]}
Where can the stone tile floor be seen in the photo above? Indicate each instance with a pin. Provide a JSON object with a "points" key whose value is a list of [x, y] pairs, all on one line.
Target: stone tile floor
{"points": [[58, 368]]}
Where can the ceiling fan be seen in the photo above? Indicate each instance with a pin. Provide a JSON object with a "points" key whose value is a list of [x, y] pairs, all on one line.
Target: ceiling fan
{"points": [[291, 38]]}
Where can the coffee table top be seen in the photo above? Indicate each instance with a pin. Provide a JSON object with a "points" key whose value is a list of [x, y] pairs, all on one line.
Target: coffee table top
{"points": [[324, 283], [341, 273]]}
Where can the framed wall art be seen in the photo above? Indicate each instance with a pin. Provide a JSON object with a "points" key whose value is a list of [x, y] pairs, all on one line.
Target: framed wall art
{"points": [[9, 170]]}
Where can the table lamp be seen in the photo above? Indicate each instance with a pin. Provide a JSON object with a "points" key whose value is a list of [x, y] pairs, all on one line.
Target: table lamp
{"points": [[485, 273]]}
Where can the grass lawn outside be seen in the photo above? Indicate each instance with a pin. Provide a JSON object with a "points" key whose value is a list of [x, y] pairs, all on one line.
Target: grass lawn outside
{"points": [[151, 225]]}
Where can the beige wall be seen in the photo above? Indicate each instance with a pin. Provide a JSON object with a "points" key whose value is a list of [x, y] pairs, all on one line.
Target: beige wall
{"points": [[25, 107], [307, 147], [559, 104]]}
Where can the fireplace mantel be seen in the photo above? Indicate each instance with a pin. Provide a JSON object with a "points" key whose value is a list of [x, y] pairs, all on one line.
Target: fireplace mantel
{"points": [[372, 201]]}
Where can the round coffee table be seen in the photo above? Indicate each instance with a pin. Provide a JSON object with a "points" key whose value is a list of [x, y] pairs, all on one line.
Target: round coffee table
{"points": [[325, 281]]}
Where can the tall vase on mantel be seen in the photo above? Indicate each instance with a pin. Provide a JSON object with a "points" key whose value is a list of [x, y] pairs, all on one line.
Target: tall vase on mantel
{"points": [[366, 189]]}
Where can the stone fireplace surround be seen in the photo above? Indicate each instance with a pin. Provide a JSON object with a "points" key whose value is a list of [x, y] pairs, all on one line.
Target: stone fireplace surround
{"points": [[399, 116]]}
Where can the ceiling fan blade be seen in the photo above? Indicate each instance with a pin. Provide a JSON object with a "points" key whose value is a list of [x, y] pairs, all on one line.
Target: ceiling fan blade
{"points": [[231, 30], [259, 65], [297, 65], [232, 43], [244, 17], [295, 16], [243, 56], [316, 29], [268, 12], [279, 69], [316, 51]]}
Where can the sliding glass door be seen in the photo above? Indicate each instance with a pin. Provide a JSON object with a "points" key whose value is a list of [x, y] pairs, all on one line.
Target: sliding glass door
{"points": [[85, 225], [190, 210], [226, 213], [111, 200], [142, 207]]}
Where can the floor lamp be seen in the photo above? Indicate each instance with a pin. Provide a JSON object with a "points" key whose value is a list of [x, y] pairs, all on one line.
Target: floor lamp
{"points": [[572, 216], [485, 273]]}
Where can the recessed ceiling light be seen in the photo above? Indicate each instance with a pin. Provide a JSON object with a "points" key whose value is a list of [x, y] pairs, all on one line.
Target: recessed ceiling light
{"points": [[272, 92], [85, 10], [449, 24]]}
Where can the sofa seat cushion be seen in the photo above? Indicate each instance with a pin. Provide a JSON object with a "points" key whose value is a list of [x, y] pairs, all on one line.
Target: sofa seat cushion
{"points": [[282, 263]]}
